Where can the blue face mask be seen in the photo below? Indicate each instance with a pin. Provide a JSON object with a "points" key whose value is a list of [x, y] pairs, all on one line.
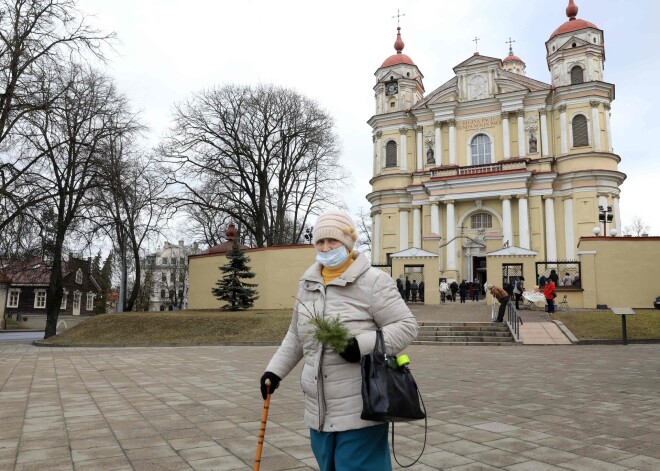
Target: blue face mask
{"points": [[333, 258]]}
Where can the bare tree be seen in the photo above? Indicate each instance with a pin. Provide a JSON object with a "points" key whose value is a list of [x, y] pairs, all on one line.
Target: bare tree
{"points": [[363, 226], [265, 156], [72, 134], [637, 228], [36, 38], [131, 205]]}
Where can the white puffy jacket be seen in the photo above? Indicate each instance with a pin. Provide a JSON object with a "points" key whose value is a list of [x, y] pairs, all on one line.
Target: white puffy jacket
{"points": [[366, 299]]}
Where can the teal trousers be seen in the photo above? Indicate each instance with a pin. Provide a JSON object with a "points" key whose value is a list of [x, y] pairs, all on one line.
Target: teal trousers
{"points": [[364, 449]]}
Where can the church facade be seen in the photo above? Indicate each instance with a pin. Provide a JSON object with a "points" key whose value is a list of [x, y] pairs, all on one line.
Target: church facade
{"points": [[493, 158]]}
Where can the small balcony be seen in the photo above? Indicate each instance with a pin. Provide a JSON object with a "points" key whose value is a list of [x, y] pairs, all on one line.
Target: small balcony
{"points": [[456, 171]]}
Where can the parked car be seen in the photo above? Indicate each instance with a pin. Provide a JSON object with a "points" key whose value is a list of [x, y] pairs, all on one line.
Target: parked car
{"points": [[656, 303]]}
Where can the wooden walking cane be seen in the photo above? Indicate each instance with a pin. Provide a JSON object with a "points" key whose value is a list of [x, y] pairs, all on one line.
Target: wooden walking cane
{"points": [[262, 428]]}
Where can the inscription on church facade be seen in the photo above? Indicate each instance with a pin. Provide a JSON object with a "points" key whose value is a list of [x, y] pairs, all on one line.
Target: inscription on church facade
{"points": [[479, 123]]}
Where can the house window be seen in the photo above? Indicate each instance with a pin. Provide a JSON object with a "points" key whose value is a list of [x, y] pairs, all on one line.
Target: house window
{"points": [[173, 261], [76, 301], [164, 260], [481, 221], [480, 149], [182, 261], [580, 131], [90, 302], [577, 75], [390, 154], [172, 277], [182, 277], [64, 299], [163, 293], [79, 276], [163, 278], [14, 295], [40, 299]]}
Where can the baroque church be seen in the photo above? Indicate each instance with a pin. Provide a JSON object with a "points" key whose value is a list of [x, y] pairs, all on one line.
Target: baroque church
{"points": [[493, 158]]}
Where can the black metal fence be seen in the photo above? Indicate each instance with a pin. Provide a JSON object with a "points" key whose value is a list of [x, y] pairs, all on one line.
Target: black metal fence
{"points": [[569, 272]]}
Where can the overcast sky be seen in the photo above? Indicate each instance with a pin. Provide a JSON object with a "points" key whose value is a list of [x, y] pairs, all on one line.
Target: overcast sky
{"points": [[329, 51]]}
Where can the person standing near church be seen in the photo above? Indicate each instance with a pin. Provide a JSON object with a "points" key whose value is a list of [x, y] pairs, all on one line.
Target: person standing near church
{"points": [[421, 291], [407, 289], [550, 295], [341, 283], [413, 290], [503, 297]]}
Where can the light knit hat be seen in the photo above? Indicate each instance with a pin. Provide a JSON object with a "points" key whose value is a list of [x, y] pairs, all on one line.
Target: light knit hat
{"points": [[335, 225]]}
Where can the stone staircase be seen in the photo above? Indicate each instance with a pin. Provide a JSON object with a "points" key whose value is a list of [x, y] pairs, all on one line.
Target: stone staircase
{"points": [[463, 333]]}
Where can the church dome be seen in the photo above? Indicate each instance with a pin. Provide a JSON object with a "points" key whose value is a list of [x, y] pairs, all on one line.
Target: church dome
{"points": [[573, 23], [511, 57], [399, 57]]}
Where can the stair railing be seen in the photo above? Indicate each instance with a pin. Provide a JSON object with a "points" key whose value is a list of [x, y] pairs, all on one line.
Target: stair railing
{"points": [[513, 320]]}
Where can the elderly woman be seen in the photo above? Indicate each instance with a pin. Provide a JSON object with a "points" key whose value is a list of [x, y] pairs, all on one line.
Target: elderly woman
{"points": [[341, 282]]}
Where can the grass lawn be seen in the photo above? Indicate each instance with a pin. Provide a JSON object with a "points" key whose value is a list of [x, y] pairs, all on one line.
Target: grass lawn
{"points": [[178, 328], [589, 325]]}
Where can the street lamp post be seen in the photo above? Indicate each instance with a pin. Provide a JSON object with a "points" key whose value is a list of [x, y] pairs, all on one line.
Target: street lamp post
{"points": [[605, 215]]}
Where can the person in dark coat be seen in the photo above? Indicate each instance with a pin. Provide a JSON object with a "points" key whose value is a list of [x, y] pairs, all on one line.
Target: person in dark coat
{"points": [[453, 287], [463, 290], [476, 288], [413, 290], [399, 287], [554, 276], [407, 289], [421, 291]]}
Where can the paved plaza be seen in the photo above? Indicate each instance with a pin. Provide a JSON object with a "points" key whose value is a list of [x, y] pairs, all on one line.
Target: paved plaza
{"points": [[515, 408]]}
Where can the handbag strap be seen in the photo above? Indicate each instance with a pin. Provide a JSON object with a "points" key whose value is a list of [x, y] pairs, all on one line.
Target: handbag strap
{"points": [[425, 431], [380, 342]]}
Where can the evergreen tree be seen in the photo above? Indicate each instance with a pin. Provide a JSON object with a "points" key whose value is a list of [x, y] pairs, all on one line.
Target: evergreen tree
{"points": [[236, 293], [103, 276]]}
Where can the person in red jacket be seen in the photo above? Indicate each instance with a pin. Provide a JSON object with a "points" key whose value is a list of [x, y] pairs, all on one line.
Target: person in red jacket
{"points": [[550, 295]]}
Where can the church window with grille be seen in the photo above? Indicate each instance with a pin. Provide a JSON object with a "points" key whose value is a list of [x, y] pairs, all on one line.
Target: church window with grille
{"points": [[480, 150], [580, 131], [577, 75], [390, 154], [481, 221]]}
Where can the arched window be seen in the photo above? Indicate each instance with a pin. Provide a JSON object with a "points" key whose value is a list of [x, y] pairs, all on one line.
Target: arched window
{"points": [[480, 149], [580, 131], [390, 154], [577, 75], [481, 221], [79, 276]]}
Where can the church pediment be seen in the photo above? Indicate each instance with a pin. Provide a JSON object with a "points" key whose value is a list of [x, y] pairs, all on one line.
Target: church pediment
{"points": [[477, 60], [446, 93], [574, 40]]}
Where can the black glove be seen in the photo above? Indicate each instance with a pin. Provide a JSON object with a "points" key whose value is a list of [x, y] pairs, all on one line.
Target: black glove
{"points": [[351, 352], [274, 383]]}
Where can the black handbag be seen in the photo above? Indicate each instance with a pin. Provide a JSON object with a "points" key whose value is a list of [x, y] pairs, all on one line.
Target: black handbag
{"points": [[389, 391]]}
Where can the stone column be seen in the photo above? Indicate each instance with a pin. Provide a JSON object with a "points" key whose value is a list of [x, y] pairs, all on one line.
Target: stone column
{"points": [[595, 120], [451, 233], [379, 151], [420, 148], [403, 229], [375, 240], [506, 140], [452, 141], [438, 142], [550, 235], [617, 215], [435, 217], [522, 152], [569, 232], [608, 130], [403, 145], [544, 134], [417, 227], [523, 223], [562, 129], [507, 229]]}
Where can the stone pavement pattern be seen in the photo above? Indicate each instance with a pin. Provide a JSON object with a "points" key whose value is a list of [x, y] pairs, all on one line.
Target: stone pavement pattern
{"points": [[514, 408]]}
